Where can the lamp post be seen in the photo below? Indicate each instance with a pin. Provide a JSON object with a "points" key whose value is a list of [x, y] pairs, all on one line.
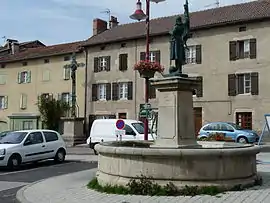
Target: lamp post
{"points": [[139, 15]]}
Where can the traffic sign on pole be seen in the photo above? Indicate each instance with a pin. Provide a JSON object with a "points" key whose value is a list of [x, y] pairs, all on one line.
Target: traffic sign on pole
{"points": [[120, 124]]}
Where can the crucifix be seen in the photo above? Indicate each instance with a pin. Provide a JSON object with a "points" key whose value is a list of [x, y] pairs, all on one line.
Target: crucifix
{"points": [[73, 66]]}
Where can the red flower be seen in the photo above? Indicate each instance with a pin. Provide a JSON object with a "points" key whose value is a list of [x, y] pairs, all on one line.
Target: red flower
{"points": [[147, 65]]}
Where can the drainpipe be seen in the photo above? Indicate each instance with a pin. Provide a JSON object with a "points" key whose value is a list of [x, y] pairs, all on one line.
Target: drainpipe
{"points": [[85, 91], [135, 85]]}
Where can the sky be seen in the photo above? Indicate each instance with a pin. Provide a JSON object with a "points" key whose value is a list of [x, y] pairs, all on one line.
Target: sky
{"points": [[62, 21]]}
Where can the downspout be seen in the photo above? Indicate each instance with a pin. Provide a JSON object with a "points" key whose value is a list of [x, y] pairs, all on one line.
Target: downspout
{"points": [[85, 91], [135, 89]]}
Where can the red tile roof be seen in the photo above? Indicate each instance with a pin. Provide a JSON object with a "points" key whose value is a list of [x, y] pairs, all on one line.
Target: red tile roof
{"points": [[239, 13], [32, 53]]}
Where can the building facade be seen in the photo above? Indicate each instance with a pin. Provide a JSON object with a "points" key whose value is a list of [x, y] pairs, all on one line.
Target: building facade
{"points": [[228, 54], [26, 74]]}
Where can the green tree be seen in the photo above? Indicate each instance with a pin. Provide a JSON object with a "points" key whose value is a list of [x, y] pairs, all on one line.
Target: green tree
{"points": [[51, 111]]}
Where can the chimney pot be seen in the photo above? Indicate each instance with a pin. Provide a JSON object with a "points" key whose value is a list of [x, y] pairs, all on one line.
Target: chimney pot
{"points": [[113, 22], [99, 26]]}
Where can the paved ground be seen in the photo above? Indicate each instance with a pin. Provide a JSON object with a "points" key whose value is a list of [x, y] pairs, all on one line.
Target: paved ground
{"points": [[71, 188], [12, 181]]}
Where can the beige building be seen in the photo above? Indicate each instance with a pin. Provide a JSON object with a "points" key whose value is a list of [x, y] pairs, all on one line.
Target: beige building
{"points": [[228, 53], [27, 72]]}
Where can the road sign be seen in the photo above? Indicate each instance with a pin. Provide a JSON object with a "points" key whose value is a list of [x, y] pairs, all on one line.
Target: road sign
{"points": [[120, 124]]}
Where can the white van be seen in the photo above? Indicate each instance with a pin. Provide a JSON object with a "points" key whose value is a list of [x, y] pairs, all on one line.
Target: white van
{"points": [[103, 130]]}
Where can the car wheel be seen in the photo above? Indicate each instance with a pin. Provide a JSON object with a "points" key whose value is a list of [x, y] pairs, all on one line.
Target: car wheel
{"points": [[14, 162], [60, 156], [242, 140]]}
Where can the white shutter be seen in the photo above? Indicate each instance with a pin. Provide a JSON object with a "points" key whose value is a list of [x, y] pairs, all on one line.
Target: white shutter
{"points": [[5, 102]]}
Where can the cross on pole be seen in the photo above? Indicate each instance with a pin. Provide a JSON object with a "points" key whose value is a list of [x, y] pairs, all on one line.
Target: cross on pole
{"points": [[73, 66]]}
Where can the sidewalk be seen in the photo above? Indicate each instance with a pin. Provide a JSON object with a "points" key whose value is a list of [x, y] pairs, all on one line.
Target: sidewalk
{"points": [[71, 188]]}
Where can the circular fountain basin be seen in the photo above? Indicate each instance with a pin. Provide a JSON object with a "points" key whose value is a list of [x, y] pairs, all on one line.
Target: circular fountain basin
{"points": [[208, 164]]}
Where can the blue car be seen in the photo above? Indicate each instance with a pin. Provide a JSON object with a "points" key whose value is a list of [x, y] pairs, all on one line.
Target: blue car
{"points": [[230, 130]]}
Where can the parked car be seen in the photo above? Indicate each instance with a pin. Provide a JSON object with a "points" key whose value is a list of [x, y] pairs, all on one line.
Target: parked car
{"points": [[3, 134], [103, 130], [26, 146], [230, 130]]}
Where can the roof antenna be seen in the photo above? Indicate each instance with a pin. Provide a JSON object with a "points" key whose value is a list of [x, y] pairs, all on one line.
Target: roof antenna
{"points": [[217, 4], [108, 12]]}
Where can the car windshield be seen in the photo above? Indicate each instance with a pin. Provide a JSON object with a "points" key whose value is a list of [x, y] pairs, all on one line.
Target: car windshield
{"points": [[237, 127], [139, 127], [13, 138]]}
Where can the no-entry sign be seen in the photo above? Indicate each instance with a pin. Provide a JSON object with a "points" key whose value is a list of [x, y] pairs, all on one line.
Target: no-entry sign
{"points": [[120, 124]]}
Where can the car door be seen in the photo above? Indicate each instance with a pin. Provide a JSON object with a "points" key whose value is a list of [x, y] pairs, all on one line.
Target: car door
{"points": [[33, 147], [51, 143], [229, 131], [130, 134]]}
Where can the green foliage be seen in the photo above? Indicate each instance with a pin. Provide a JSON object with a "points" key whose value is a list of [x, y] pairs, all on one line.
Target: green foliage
{"points": [[51, 111], [144, 186]]}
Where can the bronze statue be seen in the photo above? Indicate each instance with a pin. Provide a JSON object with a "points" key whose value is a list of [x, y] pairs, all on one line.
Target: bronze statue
{"points": [[178, 42]]}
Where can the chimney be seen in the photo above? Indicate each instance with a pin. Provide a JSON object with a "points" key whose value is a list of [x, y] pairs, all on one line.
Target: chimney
{"points": [[99, 26], [113, 22], [15, 47]]}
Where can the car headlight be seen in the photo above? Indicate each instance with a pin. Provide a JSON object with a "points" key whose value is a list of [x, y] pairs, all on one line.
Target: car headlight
{"points": [[2, 151]]}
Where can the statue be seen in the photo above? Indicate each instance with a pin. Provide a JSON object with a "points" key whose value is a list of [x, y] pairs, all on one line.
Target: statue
{"points": [[178, 43]]}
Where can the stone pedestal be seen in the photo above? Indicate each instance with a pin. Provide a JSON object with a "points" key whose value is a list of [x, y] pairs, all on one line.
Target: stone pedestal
{"points": [[175, 117], [73, 131]]}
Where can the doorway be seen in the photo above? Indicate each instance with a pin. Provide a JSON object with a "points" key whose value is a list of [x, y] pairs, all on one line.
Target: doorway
{"points": [[197, 119]]}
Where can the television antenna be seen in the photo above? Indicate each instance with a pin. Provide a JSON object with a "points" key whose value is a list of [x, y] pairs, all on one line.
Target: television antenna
{"points": [[217, 4], [108, 12]]}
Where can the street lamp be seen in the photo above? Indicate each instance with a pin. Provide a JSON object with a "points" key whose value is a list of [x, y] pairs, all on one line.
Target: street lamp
{"points": [[139, 15]]}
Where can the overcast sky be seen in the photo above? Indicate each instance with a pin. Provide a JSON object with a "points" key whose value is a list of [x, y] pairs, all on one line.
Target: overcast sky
{"points": [[60, 21]]}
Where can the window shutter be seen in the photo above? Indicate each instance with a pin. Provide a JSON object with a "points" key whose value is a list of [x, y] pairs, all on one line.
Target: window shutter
{"points": [[67, 73], [253, 48], [152, 92], [231, 85], [199, 91], [142, 56], [59, 97], [94, 92], [240, 79], [28, 80], [157, 56], [232, 50], [96, 59], [123, 62], [5, 102], [70, 99], [255, 83], [115, 91], [108, 91], [108, 63], [130, 91], [198, 54], [23, 101], [19, 78]]}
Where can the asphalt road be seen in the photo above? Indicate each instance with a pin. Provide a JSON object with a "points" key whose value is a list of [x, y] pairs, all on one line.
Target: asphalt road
{"points": [[12, 181]]}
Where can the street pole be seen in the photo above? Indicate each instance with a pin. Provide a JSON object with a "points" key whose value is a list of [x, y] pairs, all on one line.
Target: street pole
{"points": [[146, 126]]}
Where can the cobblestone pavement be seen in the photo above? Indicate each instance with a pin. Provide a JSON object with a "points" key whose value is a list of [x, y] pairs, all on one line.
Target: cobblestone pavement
{"points": [[71, 188]]}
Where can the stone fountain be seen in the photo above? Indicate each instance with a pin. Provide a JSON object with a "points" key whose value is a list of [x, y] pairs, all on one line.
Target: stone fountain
{"points": [[176, 156]]}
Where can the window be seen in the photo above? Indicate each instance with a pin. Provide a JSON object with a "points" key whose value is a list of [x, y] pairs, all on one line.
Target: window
{"points": [[3, 79], [243, 49], [66, 97], [24, 63], [102, 63], [46, 75], [129, 130], [226, 127], [243, 83], [34, 138], [66, 58], [46, 60], [139, 127], [198, 92], [27, 125], [14, 137], [194, 54], [244, 120], [242, 29], [50, 136], [154, 56], [122, 115], [67, 73], [23, 101], [101, 91], [152, 92], [46, 96], [123, 90], [24, 77], [3, 102]]}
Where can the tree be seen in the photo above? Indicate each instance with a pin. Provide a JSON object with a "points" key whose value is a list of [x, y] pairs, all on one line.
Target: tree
{"points": [[51, 111]]}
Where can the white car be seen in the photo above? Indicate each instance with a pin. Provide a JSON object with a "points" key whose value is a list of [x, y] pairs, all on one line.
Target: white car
{"points": [[26, 146]]}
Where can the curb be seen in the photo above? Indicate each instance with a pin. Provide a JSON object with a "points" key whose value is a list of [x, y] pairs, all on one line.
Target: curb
{"points": [[20, 194]]}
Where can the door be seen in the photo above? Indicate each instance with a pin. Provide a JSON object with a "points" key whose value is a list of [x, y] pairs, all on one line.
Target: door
{"points": [[51, 144], [197, 119], [244, 119], [33, 147], [228, 131]]}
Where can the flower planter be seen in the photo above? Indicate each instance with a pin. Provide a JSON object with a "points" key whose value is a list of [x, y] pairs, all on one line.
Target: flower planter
{"points": [[147, 73]]}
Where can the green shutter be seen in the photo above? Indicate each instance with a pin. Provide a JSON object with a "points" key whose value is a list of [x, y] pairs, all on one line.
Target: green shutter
{"points": [[19, 78], [6, 102], [28, 79]]}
